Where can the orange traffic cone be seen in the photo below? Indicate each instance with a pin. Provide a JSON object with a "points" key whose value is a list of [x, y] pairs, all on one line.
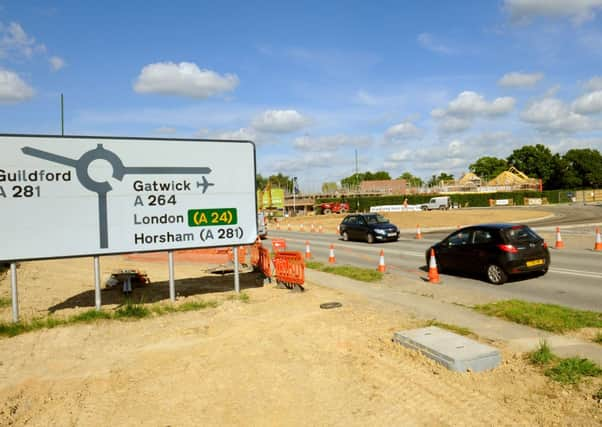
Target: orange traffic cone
{"points": [[418, 232], [559, 243], [381, 262], [433, 272], [331, 258], [598, 244], [307, 250]]}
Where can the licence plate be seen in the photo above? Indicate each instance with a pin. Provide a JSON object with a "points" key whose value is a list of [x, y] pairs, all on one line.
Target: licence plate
{"points": [[392, 234], [535, 262]]}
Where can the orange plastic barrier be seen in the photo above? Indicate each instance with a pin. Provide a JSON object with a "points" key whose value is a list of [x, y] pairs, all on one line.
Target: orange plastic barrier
{"points": [[242, 254], [264, 262], [278, 245], [290, 269], [255, 255]]}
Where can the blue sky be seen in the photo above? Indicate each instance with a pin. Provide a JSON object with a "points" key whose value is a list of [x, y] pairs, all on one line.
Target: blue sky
{"points": [[424, 87]]}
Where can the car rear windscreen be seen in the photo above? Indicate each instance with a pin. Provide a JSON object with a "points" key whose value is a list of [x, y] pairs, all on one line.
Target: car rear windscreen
{"points": [[520, 234]]}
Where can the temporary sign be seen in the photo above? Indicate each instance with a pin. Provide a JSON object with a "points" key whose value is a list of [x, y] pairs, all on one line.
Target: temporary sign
{"points": [[73, 196]]}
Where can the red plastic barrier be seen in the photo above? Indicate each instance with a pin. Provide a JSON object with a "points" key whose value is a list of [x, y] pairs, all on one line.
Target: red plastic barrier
{"points": [[278, 245], [290, 269], [264, 262]]}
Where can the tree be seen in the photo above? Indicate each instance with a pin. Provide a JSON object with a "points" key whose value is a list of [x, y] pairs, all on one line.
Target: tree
{"points": [[537, 161], [411, 180], [488, 167], [443, 176], [354, 180], [329, 187], [261, 182], [585, 167]]}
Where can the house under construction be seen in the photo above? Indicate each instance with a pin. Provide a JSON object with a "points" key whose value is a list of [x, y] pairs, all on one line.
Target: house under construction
{"points": [[509, 180]]}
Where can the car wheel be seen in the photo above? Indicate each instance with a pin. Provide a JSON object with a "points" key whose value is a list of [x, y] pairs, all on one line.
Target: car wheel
{"points": [[496, 274], [327, 211], [343, 211], [345, 236], [370, 238]]}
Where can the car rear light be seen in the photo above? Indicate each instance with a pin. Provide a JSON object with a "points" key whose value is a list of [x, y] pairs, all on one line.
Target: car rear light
{"points": [[545, 245], [508, 248]]}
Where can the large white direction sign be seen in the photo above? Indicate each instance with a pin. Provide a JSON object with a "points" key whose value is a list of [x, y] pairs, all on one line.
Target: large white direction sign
{"points": [[72, 196]]}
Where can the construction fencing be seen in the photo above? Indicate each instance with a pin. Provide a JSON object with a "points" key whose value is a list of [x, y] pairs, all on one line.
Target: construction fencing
{"points": [[290, 269]]}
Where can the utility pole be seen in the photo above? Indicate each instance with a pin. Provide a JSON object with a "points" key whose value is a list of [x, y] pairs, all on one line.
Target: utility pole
{"points": [[62, 117], [294, 195], [357, 182]]}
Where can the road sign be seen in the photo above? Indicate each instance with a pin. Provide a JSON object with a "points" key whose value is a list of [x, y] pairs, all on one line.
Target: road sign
{"points": [[74, 196]]}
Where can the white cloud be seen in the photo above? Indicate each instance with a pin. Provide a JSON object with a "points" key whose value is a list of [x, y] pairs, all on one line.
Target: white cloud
{"points": [[242, 134], [552, 115], [14, 41], [454, 124], [593, 84], [466, 107], [13, 89], [403, 130], [333, 142], [472, 104], [427, 41], [183, 79], [366, 98], [520, 79], [56, 63], [165, 130], [578, 10], [590, 103], [279, 121]]}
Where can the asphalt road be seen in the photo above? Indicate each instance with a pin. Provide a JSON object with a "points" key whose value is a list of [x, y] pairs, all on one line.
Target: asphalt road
{"points": [[574, 278]]}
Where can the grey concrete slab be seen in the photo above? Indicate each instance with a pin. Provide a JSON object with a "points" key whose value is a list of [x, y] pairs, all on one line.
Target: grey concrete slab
{"points": [[453, 351]]}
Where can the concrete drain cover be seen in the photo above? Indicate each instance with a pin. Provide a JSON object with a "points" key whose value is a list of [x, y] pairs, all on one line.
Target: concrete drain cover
{"points": [[453, 351]]}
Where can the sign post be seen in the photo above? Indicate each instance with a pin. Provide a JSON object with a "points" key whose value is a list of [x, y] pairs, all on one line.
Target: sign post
{"points": [[68, 196]]}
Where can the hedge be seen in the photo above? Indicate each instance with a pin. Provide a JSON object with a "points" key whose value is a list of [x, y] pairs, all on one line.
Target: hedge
{"points": [[363, 204]]}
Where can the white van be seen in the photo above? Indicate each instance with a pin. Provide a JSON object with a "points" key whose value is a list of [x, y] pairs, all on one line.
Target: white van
{"points": [[442, 203], [262, 228]]}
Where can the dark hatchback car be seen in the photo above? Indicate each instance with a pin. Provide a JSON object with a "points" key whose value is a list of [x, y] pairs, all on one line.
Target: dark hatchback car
{"points": [[371, 227], [494, 250]]}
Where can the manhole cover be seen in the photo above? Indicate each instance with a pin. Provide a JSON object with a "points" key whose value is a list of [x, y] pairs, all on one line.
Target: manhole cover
{"points": [[329, 305]]}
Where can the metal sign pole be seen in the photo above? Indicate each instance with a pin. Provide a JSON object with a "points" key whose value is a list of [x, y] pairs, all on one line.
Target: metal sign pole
{"points": [[172, 283], [236, 278], [13, 287], [97, 301]]}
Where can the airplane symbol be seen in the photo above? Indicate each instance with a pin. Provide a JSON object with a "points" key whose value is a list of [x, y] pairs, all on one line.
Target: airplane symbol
{"points": [[204, 184]]}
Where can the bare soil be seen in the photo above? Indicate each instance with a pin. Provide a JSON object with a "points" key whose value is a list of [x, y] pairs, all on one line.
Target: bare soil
{"points": [[277, 359]]}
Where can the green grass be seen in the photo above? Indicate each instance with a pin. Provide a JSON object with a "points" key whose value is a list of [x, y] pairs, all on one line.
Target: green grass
{"points": [[549, 317], [454, 328], [543, 355], [132, 311], [5, 302], [362, 274], [572, 370], [564, 371], [129, 311]]}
